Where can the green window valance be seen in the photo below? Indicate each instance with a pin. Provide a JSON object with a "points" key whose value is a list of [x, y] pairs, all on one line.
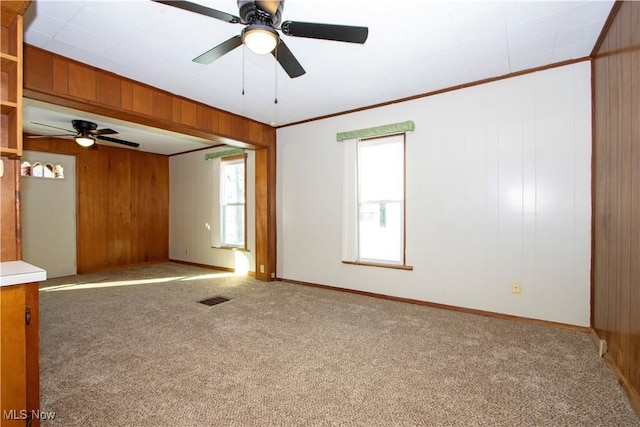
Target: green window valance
{"points": [[233, 152], [376, 131]]}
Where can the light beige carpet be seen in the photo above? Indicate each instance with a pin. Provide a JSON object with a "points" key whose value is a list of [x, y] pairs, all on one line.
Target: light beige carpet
{"points": [[135, 348]]}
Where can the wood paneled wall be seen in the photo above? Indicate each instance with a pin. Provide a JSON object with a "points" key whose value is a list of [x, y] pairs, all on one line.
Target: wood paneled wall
{"points": [[616, 223], [265, 208], [123, 204], [52, 78], [10, 248]]}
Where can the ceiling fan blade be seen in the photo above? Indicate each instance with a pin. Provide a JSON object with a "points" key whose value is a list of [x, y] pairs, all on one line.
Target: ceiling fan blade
{"points": [[270, 6], [223, 48], [341, 33], [118, 141], [55, 127], [202, 10], [47, 136], [286, 59], [103, 132]]}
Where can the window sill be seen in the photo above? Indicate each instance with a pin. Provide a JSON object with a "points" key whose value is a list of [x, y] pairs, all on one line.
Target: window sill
{"points": [[375, 264], [231, 248]]}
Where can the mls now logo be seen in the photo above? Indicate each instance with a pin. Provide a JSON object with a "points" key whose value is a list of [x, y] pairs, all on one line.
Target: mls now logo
{"points": [[23, 414]]}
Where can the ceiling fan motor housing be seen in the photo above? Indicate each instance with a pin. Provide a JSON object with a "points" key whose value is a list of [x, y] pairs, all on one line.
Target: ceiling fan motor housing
{"points": [[84, 127], [250, 12]]}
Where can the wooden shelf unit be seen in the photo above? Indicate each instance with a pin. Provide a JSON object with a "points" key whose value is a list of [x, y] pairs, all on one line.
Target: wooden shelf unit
{"points": [[11, 87]]}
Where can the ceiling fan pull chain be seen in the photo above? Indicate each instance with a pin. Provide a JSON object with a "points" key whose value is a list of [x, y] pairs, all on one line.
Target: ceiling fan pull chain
{"points": [[243, 52], [275, 101]]}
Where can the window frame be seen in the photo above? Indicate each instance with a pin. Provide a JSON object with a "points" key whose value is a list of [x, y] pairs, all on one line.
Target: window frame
{"points": [[223, 244], [364, 261]]}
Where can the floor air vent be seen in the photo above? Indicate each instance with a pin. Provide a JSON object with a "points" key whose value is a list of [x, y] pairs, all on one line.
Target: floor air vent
{"points": [[214, 300]]}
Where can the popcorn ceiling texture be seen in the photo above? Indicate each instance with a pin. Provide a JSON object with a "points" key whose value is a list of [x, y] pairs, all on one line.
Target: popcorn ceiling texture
{"points": [[135, 348]]}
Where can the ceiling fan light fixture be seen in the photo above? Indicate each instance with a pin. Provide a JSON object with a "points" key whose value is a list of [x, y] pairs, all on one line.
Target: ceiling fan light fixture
{"points": [[260, 39], [85, 141]]}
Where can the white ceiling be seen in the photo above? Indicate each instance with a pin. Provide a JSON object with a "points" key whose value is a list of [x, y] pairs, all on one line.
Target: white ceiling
{"points": [[414, 47]]}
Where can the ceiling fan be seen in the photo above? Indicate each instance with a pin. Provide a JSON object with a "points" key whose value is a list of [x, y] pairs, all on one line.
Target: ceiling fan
{"points": [[262, 20], [87, 132]]}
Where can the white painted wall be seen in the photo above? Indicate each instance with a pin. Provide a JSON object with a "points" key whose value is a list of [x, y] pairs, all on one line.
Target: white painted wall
{"points": [[194, 195], [48, 214], [498, 190]]}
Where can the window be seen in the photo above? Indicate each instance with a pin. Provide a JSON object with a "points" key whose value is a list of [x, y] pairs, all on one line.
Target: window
{"points": [[232, 201], [373, 195], [381, 200], [49, 170]]}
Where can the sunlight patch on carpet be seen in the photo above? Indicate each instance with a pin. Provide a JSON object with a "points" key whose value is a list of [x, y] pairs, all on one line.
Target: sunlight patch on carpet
{"points": [[211, 276], [100, 284]]}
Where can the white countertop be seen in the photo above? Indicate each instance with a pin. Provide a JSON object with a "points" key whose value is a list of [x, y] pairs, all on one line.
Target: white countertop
{"points": [[18, 272]]}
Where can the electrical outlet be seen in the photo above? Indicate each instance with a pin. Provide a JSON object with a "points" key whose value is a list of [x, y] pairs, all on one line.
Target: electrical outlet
{"points": [[261, 268], [515, 287]]}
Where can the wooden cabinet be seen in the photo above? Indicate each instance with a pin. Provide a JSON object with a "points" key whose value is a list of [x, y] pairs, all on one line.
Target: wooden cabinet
{"points": [[19, 355], [19, 344], [11, 84]]}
